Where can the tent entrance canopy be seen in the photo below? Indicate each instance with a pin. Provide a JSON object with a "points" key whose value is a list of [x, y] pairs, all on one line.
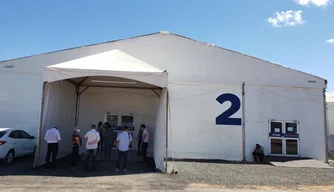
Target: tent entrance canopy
{"points": [[114, 63], [113, 69]]}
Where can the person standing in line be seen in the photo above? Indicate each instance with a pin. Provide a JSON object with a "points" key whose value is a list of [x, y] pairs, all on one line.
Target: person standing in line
{"points": [[93, 138], [52, 137], [101, 130], [76, 144], [124, 139], [140, 138], [145, 143], [108, 142]]}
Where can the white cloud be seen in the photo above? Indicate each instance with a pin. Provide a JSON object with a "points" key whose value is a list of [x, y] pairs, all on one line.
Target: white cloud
{"points": [[330, 41], [287, 19], [318, 3]]}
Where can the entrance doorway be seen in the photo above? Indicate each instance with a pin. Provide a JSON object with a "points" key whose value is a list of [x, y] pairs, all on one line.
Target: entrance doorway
{"points": [[284, 138]]}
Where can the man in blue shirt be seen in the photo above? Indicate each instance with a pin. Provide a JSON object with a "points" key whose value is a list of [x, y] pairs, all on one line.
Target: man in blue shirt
{"points": [[123, 141]]}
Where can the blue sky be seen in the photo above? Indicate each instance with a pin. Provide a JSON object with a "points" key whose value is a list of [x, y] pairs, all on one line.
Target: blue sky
{"points": [[295, 37]]}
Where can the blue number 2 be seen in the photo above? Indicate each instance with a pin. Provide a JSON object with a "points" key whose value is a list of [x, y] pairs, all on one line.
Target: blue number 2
{"points": [[224, 118]]}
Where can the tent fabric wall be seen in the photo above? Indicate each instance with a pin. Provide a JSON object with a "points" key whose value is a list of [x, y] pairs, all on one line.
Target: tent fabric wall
{"points": [[160, 132], [264, 103], [330, 114], [196, 135], [143, 104], [59, 108], [20, 100]]}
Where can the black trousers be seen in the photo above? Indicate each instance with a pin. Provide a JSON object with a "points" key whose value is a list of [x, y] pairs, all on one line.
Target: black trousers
{"points": [[258, 156], [122, 155], [144, 151], [100, 145], [52, 149], [139, 146], [91, 154], [107, 151], [75, 154]]}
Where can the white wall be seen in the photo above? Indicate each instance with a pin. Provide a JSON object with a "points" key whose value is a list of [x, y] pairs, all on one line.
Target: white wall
{"points": [[194, 133], [96, 102], [282, 103], [20, 99], [330, 114]]}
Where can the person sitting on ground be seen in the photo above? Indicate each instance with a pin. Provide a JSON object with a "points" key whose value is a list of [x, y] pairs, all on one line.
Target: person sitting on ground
{"points": [[258, 153]]}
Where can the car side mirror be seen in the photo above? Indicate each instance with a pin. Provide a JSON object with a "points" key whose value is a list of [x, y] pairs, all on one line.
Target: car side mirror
{"points": [[32, 137]]}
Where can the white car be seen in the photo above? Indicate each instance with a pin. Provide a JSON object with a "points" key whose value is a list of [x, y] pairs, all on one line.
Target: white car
{"points": [[15, 143]]}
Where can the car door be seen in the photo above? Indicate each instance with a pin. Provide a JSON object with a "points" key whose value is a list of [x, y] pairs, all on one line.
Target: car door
{"points": [[27, 141], [16, 142]]}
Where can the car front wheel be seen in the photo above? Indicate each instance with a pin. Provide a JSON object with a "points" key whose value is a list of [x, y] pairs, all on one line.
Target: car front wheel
{"points": [[9, 157]]}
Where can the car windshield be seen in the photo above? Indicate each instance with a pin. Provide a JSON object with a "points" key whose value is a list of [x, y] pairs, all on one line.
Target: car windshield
{"points": [[2, 133]]}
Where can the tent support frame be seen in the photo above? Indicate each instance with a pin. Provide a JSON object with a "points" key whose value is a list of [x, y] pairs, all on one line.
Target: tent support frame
{"points": [[167, 99], [326, 125], [36, 161], [243, 124]]}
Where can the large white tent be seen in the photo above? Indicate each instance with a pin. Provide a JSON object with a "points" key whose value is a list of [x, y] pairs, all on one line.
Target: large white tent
{"points": [[221, 103]]}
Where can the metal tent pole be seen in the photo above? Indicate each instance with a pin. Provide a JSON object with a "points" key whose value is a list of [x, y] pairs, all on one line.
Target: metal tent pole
{"points": [[243, 123], [167, 98], [39, 139]]}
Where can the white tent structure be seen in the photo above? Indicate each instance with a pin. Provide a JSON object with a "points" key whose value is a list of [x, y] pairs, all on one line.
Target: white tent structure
{"points": [[220, 102]]}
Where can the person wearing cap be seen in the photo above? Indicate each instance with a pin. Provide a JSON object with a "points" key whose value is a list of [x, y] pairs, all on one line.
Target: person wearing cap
{"points": [[145, 143], [258, 153], [123, 141], [76, 144], [52, 137]]}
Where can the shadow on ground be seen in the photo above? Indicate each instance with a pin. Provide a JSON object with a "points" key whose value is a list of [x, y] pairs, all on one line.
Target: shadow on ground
{"points": [[219, 161], [23, 166], [283, 159]]}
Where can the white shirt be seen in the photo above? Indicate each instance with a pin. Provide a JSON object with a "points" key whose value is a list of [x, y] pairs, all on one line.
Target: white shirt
{"points": [[145, 132], [52, 135], [91, 136], [124, 139]]}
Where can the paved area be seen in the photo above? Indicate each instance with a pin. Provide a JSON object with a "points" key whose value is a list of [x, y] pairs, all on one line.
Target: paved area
{"points": [[308, 163], [297, 162]]}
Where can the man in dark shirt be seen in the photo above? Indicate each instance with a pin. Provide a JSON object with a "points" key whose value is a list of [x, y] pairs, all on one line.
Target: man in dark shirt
{"points": [[258, 153], [108, 142], [140, 137], [76, 144]]}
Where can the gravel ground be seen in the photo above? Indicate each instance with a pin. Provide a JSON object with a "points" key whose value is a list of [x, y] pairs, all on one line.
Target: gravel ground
{"points": [[251, 175], [191, 176]]}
